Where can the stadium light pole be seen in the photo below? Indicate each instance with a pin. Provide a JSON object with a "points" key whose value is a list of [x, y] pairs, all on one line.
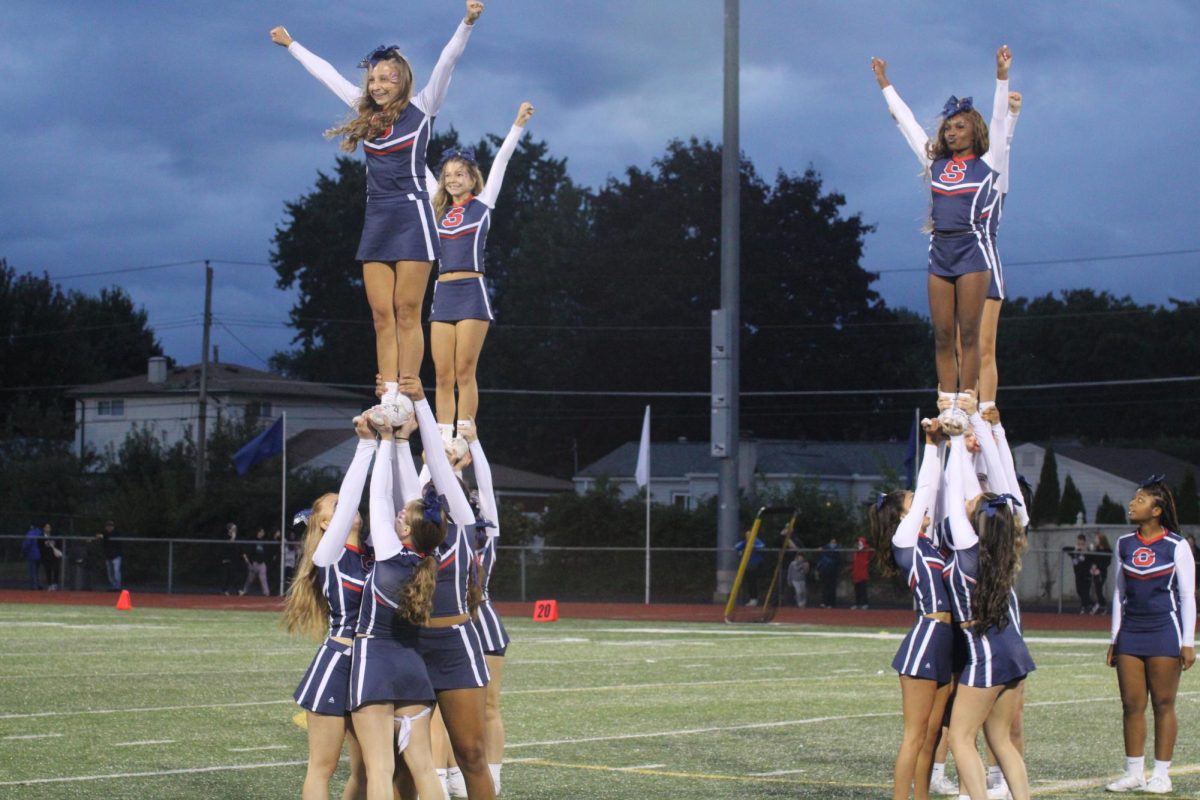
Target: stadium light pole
{"points": [[726, 320]]}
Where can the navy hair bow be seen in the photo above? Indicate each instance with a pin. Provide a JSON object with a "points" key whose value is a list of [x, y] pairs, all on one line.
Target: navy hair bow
{"points": [[465, 153], [999, 502], [379, 53], [1153, 479], [880, 500], [955, 106], [302, 517], [433, 503]]}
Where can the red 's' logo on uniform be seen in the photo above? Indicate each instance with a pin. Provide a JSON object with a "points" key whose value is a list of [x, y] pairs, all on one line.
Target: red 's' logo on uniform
{"points": [[953, 172], [454, 217], [1143, 557]]}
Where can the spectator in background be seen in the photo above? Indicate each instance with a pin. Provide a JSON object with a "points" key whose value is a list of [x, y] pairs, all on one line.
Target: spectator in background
{"points": [[255, 558], [51, 559], [797, 576], [860, 572], [231, 561], [828, 567], [750, 578], [274, 553], [1101, 559], [1082, 565], [291, 554], [112, 554], [31, 551]]}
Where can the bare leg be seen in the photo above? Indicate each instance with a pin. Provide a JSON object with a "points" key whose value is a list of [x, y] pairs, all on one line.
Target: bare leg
{"points": [[941, 316], [970, 292], [917, 698], [933, 741], [380, 282], [325, 734], [1131, 678], [470, 334], [463, 711], [442, 345], [376, 735], [971, 707], [989, 376], [493, 723], [418, 755], [1163, 676], [412, 278], [356, 781], [998, 731]]}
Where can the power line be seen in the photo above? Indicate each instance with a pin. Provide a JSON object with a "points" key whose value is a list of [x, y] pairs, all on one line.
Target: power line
{"points": [[1056, 261]]}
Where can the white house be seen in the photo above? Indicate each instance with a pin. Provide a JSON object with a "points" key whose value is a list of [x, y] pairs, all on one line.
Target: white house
{"points": [[166, 401], [1097, 471], [684, 473]]}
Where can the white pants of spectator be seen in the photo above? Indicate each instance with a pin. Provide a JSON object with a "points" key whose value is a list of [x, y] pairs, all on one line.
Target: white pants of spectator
{"points": [[801, 590], [256, 570], [114, 572]]}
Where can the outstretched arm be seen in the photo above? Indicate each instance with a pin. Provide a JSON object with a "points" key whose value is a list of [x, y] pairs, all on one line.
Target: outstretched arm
{"points": [[997, 125], [910, 129], [491, 189], [405, 486], [1010, 125], [382, 504], [928, 479], [483, 476], [329, 549], [430, 98], [318, 67], [435, 454], [962, 534]]}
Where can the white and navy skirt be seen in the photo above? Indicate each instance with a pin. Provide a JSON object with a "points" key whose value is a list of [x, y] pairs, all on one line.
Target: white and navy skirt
{"points": [[1158, 636], [927, 651], [952, 255], [491, 630], [387, 670], [326, 684], [459, 299], [453, 657], [997, 657], [399, 229]]}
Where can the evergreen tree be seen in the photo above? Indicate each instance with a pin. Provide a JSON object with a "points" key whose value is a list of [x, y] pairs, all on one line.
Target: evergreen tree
{"points": [[1186, 501], [1109, 513], [1070, 507], [1046, 496]]}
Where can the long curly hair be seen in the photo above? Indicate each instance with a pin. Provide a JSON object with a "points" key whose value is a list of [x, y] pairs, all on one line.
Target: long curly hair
{"points": [[937, 148], [441, 198], [999, 562], [1164, 499], [306, 609], [369, 118], [883, 517], [416, 598]]}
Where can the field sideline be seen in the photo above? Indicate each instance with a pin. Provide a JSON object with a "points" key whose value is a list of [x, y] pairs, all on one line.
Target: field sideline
{"points": [[189, 703]]}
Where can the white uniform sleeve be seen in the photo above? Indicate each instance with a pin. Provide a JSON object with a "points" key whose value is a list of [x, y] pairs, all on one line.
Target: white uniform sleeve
{"points": [[1118, 598], [1010, 125], [997, 480], [323, 71], [1010, 471], [329, 549], [383, 504], [962, 533], [439, 466], [1185, 579], [912, 131], [408, 487], [997, 129], [491, 189], [430, 98], [928, 479], [487, 494]]}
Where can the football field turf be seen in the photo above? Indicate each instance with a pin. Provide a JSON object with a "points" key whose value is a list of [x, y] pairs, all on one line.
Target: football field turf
{"points": [[159, 703]]}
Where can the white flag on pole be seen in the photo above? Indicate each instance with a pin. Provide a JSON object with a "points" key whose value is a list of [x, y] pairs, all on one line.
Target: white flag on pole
{"points": [[642, 473]]}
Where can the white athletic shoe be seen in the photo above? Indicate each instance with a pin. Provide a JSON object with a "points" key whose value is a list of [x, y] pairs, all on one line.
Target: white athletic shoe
{"points": [[455, 783], [1158, 784], [1131, 783], [999, 791], [943, 785]]}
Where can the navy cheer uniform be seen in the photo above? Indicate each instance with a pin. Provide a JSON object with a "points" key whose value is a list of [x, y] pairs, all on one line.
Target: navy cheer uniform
{"points": [[487, 621], [399, 222], [964, 193], [1154, 603], [323, 689], [463, 231], [998, 291]]}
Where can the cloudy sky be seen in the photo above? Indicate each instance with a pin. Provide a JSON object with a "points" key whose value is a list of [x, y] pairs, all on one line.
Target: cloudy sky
{"points": [[140, 134]]}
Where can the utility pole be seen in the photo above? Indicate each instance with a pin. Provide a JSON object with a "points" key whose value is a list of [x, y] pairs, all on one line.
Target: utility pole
{"points": [[727, 320], [202, 422]]}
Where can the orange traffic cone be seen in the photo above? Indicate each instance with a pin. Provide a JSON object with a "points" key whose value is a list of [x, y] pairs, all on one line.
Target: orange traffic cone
{"points": [[545, 611], [123, 602]]}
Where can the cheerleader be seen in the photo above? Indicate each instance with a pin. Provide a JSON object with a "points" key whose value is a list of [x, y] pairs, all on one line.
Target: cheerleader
{"points": [[981, 573], [461, 312], [1153, 631], [962, 174], [449, 643], [324, 599], [398, 244], [898, 522]]}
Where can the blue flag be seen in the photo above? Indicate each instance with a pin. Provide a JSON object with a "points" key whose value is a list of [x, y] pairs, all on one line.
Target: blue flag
{"points": [[261, 447]]}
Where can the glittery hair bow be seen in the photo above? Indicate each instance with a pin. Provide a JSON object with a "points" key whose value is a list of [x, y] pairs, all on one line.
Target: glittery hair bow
{"points": [[302, 517], [999, 502], [433, 503], [379, 54], [880, 500], [465, 153], [1153, 479], [955, 106]]}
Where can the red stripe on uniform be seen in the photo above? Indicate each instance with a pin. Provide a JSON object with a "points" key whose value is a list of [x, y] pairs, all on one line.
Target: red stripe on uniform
{"points": [[447, 562], [352, 587], [371, 151]]}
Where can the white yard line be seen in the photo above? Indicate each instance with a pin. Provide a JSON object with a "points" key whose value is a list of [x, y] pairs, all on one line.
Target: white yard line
{"points": [[32, 736], [147, 741], [263, 747], [145, 709], [154, 774]]}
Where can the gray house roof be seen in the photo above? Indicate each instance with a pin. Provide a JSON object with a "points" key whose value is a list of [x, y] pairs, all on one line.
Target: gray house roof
{"points": [[774, 456], [222, 379], [1130, 463]]}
